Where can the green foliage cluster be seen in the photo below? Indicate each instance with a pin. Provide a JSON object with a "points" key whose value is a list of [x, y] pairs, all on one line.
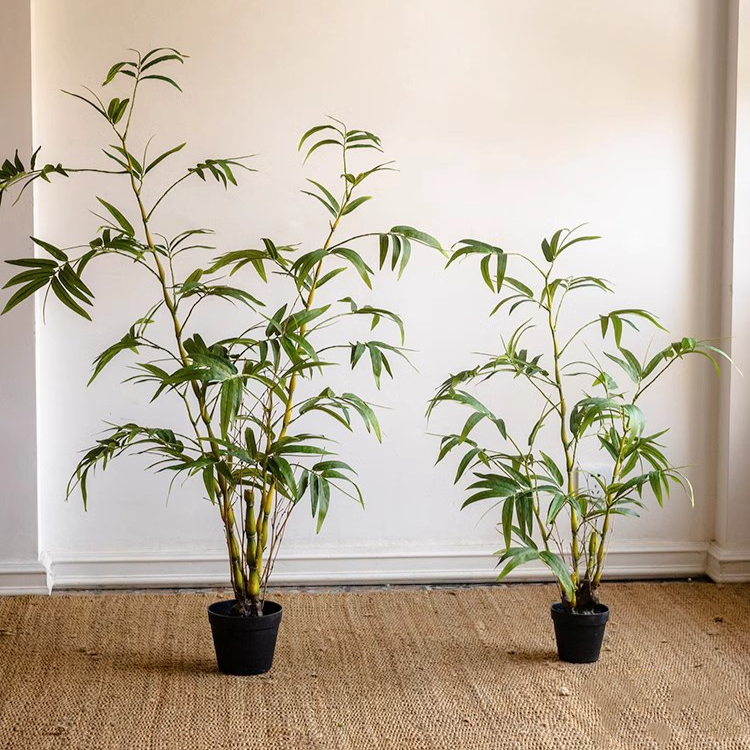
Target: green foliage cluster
{"points": [[246, 438], [546, 513]]}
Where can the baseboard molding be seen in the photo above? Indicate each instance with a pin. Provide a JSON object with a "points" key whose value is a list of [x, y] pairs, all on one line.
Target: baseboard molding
{"points": [[728, 565], [23, 577], [361, 566]]}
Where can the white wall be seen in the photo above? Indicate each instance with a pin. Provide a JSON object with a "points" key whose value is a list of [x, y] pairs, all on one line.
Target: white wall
{"points": [[19, 566], [507, 120], [729, 556]]}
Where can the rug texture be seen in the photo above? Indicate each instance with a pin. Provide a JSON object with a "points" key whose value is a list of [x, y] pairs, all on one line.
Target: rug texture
{"points": [[420, 669]]}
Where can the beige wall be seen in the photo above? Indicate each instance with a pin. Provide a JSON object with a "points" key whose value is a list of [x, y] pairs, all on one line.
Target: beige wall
{"points": [[729, 557], [507, 120], [19, 569]]}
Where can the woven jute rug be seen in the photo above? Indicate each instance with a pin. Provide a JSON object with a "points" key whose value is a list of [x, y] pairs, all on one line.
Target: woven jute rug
{"points": [[461, 669]]}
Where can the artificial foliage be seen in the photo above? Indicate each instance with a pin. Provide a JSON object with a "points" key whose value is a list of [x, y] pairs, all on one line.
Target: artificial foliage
{"points": [[587, 383], [241, 426]]}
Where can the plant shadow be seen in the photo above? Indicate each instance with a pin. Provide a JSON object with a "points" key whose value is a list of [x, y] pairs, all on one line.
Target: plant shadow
{"points": [[135, 662], [533, 655]]}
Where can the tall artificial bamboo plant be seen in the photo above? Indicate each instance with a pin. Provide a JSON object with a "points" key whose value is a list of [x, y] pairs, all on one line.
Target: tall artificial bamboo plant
{"points": [[241, 430], [551, 509]]}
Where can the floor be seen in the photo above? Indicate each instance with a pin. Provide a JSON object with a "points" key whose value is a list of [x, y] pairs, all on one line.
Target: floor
{"points": [[414, 668]]}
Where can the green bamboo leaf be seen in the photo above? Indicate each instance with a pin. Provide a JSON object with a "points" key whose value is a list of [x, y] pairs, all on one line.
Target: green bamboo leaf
{"points": [[554, 242], [74, 284], [415, 234], [329, 208], [376, 360], [366, 413], [520, 286], [331, 199], [474, 419], [632, 373], [126, 226], [356, 260], [24, 292], [113, 71], [502, 264], [465, 462], [466, 247], [517, 556], [161, 59], [154, 77], [604, 323], [560, 571], [383, 242], [303, 317], [319, 144], [552, 468], [33, 263], [62, 294], [557, 504], [577, 239], [507, 521], [119, 110], [98, 108], [484, 266], [323, 466], [128, 342], [396, 252], [163, 156], [463, 397], [547, 251], [312, 131], [33, 157], [357, 350], [632, 360], [324, 499], [55, 252], [281, 468], [356, 203], [405, 255], [155, 51]]}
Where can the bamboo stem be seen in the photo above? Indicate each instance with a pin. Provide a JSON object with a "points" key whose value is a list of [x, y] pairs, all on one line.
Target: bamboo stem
{"points": [[225, 510], [269, 496], [606, 523], [564, 439]]}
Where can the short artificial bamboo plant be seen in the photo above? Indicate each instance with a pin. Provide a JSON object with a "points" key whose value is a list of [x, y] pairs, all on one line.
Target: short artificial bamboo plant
{"points": [[551, 509], [241, 424]]}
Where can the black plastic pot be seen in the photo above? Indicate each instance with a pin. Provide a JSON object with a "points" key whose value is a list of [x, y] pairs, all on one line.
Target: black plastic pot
{"points": [[244, 645], [579, 635]]}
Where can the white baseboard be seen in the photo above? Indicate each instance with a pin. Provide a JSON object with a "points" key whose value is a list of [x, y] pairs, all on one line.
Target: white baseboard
{"points": [[23, 577], [728, 565], [388, 565]]}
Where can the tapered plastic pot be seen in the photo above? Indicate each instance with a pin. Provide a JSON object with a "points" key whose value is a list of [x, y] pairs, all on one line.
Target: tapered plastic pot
{"points": [[244, 645], [579, 635]]}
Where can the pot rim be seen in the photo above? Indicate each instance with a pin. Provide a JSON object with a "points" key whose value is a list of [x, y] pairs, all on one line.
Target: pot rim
{"points": [[598, 616], [271, 611]]}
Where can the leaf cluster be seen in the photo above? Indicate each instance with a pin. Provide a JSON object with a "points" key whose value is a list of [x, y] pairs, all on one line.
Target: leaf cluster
{"points": [[244, 427], [549, 508]]}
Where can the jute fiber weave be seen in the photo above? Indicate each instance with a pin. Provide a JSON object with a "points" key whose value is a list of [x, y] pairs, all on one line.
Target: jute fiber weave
{"points": [[458, 669]]}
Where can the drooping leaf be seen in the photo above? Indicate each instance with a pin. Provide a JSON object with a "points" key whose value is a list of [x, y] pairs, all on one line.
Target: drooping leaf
{"points": [[119, 217]]}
